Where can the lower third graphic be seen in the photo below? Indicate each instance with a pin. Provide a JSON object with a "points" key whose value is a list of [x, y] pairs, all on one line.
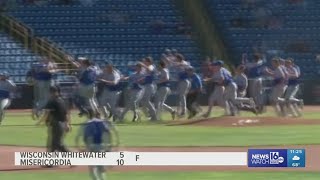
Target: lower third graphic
{"points": [[267, 158]]}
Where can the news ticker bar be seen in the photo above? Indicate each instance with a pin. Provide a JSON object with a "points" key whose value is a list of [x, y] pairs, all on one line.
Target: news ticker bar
{"points": [[252, 158]]}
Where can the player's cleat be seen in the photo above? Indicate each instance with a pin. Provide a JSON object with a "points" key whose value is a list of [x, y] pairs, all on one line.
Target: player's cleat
{"points": [[206, 115], [192, 115], [301, 104], [252, 103], [80, 114], [135, 118], [33, 115], [255, 111], [110, 115], [182, 115], [173, 115]]}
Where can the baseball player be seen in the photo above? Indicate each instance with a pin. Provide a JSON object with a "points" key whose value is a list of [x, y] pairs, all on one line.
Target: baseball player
{"points": [[110, 95], [97, 136], [163, 90], [87, 88], [6, 88], [135, 92], [149, 87], [241, 81], [194, 92], [31, 82], [218, 91], [230, 93], [278, 87], [183, 86], [43, 80], [255, 71], [293, 73]]}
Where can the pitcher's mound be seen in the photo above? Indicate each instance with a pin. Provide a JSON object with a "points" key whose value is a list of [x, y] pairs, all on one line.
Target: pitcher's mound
{"points": [[247, 121]]}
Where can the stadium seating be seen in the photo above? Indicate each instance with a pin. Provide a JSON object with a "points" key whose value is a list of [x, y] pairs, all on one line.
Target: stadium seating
{"points": [[122, 31], [15, 59], [274, 28]]}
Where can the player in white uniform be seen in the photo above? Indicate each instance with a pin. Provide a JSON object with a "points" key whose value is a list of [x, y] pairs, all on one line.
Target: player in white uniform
{"points": [[163, 91], [110, 95], [242, 83], [255, 71], [279, 86], [179, 67], [149, 87], [293, 73], [135, 92], [217, 95]]}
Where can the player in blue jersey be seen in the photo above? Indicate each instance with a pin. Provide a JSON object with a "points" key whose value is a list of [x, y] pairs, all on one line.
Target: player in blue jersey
{"points": [[98, 135], [194, 92], [43, 76], [87, 88], [232, 101], [149, 87], [255, 71], [6, 88], [136, 90]]}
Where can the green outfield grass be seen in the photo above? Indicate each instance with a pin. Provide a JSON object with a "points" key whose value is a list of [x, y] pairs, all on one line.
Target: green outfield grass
{"points": [[162, 176], [18, 129], [151, 134]]}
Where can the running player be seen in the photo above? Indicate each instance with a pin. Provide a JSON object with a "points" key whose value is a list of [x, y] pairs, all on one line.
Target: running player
{"points": [[110, 95], [6, 88], [194, 93], [135, 92], [255, 71], [241, 81], [279, 86], [98, 136], [163, 90], [230, 93], [87, 87], [149, 87], [293, 73], [218, 91], [179, 68], [43, 80]]}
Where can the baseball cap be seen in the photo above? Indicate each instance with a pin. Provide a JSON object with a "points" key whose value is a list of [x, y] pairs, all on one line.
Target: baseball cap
{"points": [[190, 68], [217, 63], [81, 58], [108, 63]]}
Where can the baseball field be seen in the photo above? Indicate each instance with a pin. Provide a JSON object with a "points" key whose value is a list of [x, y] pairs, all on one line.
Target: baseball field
{"points": [[18, 133]]}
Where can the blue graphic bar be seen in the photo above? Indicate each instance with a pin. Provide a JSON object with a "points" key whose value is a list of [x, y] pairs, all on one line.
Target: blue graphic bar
{"points": [[276, 158]]}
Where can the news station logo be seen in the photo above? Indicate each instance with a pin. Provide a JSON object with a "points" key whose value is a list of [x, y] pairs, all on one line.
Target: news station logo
{"points": [[267, 158]]}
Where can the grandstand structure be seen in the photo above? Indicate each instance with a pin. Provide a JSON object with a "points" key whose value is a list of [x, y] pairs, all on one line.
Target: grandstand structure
{"points": [[273, 28], [120, 31], [15, 59], [124, 31]]}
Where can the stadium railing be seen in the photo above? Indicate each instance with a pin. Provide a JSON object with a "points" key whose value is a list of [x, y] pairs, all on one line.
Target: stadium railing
{"points": [[40, 46], [16, 29]]}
